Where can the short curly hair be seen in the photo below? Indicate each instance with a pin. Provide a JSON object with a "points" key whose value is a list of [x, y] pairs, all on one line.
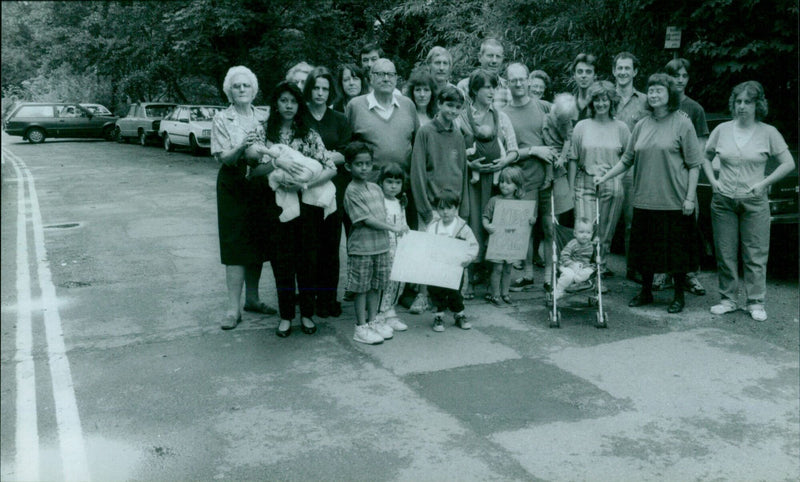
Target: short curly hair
{"points": [[227, 84], [755, 91], [599, 89]]}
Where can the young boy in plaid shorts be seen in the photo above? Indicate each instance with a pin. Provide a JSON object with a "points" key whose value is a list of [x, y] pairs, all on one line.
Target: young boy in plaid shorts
{"points": [[368, 261]]}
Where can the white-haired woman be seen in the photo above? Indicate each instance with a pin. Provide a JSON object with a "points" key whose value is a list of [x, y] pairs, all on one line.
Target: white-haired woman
{"points": [[740, 214], [241, 214]]}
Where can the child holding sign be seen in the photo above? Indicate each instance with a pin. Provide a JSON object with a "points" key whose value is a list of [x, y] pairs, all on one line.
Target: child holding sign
{"points": [[453, 226], [511, 180], [368, 263], [391, 181]]}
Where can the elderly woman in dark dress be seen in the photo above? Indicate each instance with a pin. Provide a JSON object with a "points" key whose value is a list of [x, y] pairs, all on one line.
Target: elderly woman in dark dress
{"points": [[243, 247], [663, 146], [335, 132]]}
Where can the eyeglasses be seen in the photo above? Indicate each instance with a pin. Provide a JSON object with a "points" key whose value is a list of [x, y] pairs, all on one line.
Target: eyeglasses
{"points": [[517, 81], [385, 75]]}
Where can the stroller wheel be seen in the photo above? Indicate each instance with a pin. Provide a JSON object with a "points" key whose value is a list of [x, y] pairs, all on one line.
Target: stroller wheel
{"points": [[602, 320], [555, 320]]}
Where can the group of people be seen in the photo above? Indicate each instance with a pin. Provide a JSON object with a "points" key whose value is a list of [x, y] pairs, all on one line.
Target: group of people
{"points": [[349, 152]]}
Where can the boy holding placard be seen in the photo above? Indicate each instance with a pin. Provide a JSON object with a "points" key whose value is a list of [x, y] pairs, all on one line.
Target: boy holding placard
{"points": [[449, 224]]}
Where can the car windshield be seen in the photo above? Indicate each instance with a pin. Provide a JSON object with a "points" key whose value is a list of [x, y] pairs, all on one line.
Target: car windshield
{"points": [[158, 110], [202, 113]]}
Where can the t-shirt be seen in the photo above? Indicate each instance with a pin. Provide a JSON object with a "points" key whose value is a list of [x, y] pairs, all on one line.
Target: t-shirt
{"points": [[574, 252], [396, 216], [488, 211], [438, 163], [662, 151], [528, 121], [362, 201], [598, 146], [696, 114], [741, 167]]}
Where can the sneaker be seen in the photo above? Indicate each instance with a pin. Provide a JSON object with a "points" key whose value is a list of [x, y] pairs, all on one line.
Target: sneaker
{"points": [[693, 285], [521, 284], [723, 307], [662, 281], [757, 312], [365, 335], [419, 305], [395, 324], [381, 328], [461, 321], [438, 323]]}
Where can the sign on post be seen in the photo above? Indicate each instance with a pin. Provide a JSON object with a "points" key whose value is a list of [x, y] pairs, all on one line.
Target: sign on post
{"points": [[511, 219], [673, 38]]}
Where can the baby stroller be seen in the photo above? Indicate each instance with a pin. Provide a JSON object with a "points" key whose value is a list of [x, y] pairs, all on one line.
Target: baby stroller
{"points": [[560, 237]]}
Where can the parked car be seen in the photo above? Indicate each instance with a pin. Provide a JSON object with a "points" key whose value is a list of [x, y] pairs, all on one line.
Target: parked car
{"points": [[142, 121], [96, 109], [36, 121], [188, 125]]}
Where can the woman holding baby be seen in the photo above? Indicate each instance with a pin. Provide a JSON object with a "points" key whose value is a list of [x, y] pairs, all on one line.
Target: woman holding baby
{"points": [[242, 219], [295, 264]]}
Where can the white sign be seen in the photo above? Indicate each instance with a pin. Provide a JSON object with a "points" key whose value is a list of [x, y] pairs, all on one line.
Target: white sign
{"points": [[429, 259], [673, 38], [511, 220]]}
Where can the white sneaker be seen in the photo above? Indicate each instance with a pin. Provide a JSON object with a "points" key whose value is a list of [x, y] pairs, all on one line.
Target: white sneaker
{"points": [[364, 334], [723, 307], [438, 323], [395, 324], [757, 312], [381, 328]]}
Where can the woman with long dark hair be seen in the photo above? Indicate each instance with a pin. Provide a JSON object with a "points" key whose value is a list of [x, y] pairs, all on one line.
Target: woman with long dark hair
{"points": [[335, 132]]}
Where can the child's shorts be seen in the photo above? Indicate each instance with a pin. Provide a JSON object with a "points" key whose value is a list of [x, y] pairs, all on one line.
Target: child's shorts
{"points": [[368, 272]]}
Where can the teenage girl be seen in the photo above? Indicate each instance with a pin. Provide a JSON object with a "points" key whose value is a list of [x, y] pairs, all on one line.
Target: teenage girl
{"points": [[391, 181], [511, 180]]}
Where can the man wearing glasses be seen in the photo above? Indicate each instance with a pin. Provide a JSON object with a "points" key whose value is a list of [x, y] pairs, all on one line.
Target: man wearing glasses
{"points": [[387, 122]]}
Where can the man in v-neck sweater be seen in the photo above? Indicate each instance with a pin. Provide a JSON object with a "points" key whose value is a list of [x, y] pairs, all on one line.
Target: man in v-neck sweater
{"points": [[385, 121]]}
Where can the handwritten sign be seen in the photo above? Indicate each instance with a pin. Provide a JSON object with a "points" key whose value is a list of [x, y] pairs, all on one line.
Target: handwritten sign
{"points": [[429, 259], [511, 219], [672, 40]]}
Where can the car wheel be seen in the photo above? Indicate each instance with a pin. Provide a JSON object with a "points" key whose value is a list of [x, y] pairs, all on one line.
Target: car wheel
{"points": [[142, 138], [35, 135], [168, 146], [108, 133], [196, 149]]}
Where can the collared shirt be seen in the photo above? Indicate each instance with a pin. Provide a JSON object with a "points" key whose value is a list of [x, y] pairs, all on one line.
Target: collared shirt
{"points": [[229, 128], [384, 112], [633, 110]]}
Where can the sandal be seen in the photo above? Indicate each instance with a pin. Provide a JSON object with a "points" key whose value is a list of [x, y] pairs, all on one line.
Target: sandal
{"points": [[507, 299], [495, 300]]}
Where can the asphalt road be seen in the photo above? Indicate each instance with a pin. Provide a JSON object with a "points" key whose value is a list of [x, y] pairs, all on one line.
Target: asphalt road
{"points": [[114, 367]]}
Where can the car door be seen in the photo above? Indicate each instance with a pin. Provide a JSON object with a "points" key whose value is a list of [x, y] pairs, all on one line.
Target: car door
{"points": [[71, 120], [182, 127]]}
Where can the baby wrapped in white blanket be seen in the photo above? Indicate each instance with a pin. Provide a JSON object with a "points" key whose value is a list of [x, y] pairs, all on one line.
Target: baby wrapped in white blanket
{"points": [[322, 195]]}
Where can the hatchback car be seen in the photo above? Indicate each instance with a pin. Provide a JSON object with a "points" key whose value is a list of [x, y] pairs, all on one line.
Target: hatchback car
{"points": [[188, 125], [38, 121], [142, 121]]}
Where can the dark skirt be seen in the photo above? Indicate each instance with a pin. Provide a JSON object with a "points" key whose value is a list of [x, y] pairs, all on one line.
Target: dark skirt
{"points": [[242, 218], [663, 242]]}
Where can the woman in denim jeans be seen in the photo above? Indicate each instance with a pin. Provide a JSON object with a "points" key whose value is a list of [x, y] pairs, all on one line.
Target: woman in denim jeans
{"points": [[740, 216]]}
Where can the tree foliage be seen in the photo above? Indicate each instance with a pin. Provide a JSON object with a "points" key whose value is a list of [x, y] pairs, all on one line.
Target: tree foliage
{"points": [[122, 51]]}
